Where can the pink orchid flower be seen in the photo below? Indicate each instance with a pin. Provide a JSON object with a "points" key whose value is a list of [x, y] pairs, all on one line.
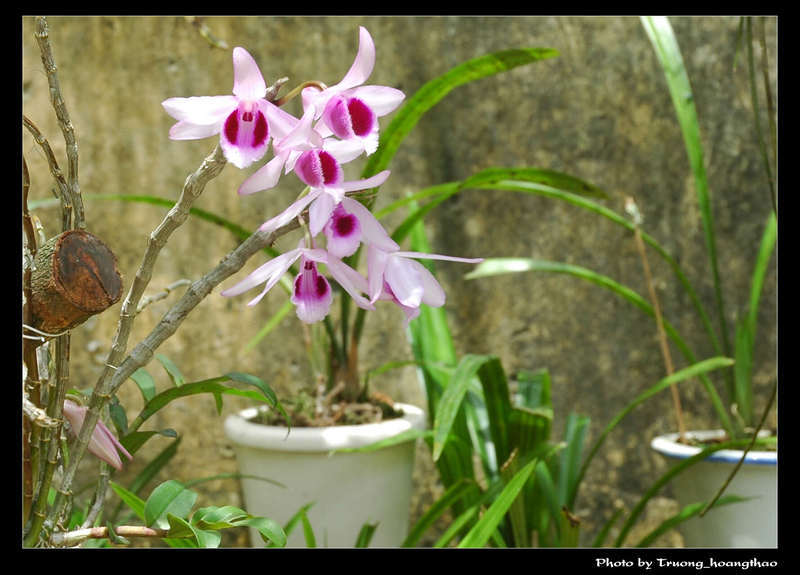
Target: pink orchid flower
{"points": [[349, 109], [321, 171], [312, 294], [103, 444], [301, 138], [409, 282], [244, 120], [352, 223]]}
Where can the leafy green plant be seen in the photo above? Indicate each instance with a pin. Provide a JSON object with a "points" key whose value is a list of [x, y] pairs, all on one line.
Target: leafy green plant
{"points": [[734, 408]]}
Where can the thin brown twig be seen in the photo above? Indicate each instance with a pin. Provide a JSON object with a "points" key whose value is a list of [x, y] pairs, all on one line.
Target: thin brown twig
{"points": [[739, 463], [43, 38], [79, 535], [662, 338], [63, 188]]}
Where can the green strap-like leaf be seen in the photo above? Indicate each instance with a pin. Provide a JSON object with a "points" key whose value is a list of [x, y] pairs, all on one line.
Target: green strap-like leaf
{"points": [[450, 402], [271, 533], [454, 493], [365, 535], [132, 500], [172, 370], [432, 92], [144, 381], [685, 514], [684, 374], [675, 470], [661, 36], [496, 266], [169, 497], [483, 529], [213, 386]]}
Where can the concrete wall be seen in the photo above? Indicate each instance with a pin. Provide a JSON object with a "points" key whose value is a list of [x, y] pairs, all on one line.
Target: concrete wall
{"points": [[600, 111]]}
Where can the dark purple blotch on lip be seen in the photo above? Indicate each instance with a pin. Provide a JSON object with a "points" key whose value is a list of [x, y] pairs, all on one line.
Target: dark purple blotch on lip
{"points": [[362, 118]]}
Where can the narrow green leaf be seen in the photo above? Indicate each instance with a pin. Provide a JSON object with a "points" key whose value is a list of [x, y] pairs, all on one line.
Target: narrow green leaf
{"points": [[743, 390], [365, 535], [271, 533], [450, 402], [675, 470], [433, 91], [118, 416], [602, 535], [533, 389], [218, 517], [569, 477], [402, 437], [482, 530], [192, 482], [454, 493], [268, 392], [308, 531], [212, 386], [684, 374], [545, 178], [145, 382], [169, 497], [765, 250], [132, 500], [659, 31], [172, 370], [134, 440], [498, 404], [293, 521], [497, 266], [685, 514], [205, 539]]}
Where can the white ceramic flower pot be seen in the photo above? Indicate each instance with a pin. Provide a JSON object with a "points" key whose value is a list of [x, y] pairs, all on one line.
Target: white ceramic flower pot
{"points": [[348, 489], [752, 523]]}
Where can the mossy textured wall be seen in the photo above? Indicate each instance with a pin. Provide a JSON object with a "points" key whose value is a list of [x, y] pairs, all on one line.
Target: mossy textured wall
{"points": [[600, 111]]}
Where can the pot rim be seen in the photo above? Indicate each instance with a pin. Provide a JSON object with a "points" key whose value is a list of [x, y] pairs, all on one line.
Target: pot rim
{"points": [[241, 431], [667, 446]]}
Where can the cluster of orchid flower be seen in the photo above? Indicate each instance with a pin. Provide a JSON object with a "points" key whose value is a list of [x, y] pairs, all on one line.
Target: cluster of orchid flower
{"points": [[338, 124]]}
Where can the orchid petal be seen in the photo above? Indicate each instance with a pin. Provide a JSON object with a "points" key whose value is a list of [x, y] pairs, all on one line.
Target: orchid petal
{"points": [[269, 272], [264, 178], [343, 232], [248, 83], [422, 256], [350, 280], [363, 64], [291, 212], [302, 136], [184, 130], [102, 443], [372, 182], [312, 294], [381, 99], [245, 135], [376, 268], [203, 110], [405, 281], [371, 229], [320, 212], [280, 121], [433, 294], [344, 150]]}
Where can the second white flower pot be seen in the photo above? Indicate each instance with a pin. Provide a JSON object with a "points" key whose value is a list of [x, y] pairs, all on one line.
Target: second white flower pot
{"points": [[347, 489], [752, 523]]}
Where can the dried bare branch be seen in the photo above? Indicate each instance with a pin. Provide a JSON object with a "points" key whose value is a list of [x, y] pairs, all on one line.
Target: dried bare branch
{"points": [[43, 39]]}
